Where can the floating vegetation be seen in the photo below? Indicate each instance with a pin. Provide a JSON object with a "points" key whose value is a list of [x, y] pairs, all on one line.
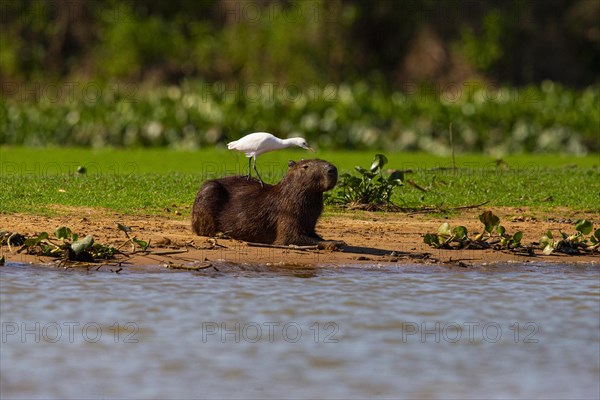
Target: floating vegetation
{"points": [[545, 118], [69, 247], [72, 251], [576, 243], [494, 236], [65, 245]]}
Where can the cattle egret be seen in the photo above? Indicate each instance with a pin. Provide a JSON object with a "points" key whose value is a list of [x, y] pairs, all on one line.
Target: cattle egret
{"points": [[257, 143]]}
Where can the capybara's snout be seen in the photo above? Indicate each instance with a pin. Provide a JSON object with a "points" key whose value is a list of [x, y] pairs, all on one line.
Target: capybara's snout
{"points": [[332, 176], [332, 171]]}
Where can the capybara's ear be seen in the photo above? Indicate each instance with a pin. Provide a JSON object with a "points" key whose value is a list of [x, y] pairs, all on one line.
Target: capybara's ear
{"points": [[291, 163]]}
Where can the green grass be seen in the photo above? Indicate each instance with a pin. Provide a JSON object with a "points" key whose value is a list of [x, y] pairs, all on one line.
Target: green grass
{"points": [[147, 181]]}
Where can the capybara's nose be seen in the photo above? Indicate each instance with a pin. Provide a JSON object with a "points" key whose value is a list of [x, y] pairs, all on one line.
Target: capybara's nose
{"points": [[332, 171]]}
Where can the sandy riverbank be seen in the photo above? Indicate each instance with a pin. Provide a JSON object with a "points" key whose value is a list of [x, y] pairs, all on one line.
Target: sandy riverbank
{"points": [[372, 238]]}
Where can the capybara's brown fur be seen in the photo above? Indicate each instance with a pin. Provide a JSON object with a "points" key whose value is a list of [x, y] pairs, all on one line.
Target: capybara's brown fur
{"points": [[285, 213]]}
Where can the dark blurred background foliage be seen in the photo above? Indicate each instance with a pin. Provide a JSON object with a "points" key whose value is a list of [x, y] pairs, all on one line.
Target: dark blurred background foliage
{"points": [[510, 41], [356, 74]]}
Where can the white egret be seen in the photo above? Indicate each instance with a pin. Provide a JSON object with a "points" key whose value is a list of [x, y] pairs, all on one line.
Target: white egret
{"points": [[258, 143]]}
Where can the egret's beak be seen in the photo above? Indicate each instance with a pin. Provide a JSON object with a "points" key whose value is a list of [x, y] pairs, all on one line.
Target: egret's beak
{"points": [[311, 149]]}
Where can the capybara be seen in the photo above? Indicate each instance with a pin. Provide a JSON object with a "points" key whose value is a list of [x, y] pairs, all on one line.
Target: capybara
{"points": [[285, 213]]}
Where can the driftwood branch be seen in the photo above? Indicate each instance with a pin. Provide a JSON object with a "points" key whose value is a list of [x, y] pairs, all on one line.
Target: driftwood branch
{"points": [[167, 252], [426, 210], [189, 267], [278, 246]]}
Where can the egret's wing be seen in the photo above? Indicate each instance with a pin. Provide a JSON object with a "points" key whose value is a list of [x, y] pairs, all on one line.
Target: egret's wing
{"points": [[255, 144], [264, 144]]}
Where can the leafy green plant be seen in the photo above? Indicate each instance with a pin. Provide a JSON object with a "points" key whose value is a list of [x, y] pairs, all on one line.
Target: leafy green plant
{"points": [[458, 237], [445, 236], [133, 240], [67, 245], [371, 189], [490, 221], [545, 118], [572, 244], [509, 241]]}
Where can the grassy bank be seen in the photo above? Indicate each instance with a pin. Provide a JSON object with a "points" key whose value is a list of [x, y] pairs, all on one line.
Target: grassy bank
{"points": [[154, 181]]}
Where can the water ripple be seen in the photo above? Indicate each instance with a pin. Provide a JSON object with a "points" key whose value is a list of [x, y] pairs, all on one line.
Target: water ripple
{"points": [[280, 332]]}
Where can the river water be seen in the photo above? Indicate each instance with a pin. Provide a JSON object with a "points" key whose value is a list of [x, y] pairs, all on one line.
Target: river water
{"points": [[276, 332]]}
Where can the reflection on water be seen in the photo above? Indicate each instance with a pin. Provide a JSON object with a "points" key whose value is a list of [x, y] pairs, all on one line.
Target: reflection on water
{"points": [[266, 332]]}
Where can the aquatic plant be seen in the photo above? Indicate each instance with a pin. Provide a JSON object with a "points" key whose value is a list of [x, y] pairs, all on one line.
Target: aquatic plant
{"points": [[574, 243], [458, 237], [195, 114], [133, 240], [67, 245]]}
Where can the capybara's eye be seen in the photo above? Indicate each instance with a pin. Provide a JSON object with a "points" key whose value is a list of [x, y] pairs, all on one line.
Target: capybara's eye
{"points": [[305, 166]]}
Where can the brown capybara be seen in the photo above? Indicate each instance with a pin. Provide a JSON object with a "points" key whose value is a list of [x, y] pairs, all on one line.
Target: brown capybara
{"points": [[285, 213]]}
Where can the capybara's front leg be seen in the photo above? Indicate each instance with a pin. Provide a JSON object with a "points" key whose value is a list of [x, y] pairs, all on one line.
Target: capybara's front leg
{"points": [[286, 235], [331, 244]]}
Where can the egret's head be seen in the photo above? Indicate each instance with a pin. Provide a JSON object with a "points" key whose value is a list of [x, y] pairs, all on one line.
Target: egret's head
{"points": [[300, 142]]}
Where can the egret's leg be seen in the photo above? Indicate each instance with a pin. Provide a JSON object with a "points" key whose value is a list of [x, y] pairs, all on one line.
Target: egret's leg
{"points": [[249, 167], [257, 174]]}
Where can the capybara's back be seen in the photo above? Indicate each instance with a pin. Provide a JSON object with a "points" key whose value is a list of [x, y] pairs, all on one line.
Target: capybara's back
{"points": [[286, 213], [234, 205]]}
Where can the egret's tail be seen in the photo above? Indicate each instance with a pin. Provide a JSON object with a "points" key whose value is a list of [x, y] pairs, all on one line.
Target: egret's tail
{"points": [[231, 145]]}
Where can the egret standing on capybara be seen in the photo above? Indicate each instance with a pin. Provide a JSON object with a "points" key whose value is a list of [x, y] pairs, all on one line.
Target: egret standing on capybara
{"points": [[285, 213], [257, 143]]}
